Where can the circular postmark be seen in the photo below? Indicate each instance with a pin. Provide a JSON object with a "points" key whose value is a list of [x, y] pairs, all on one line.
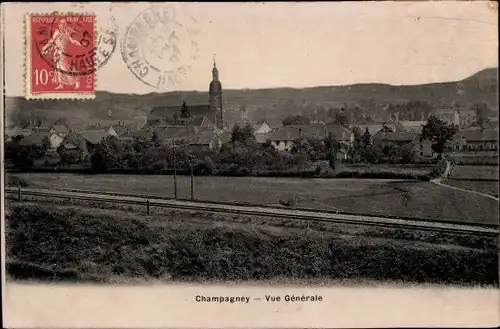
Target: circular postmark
{"points": [[106, 40], [70, 45], [159, 46]]}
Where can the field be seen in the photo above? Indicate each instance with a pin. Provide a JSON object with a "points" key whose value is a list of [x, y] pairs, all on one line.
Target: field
{"points": [[475, 158], [412, 171], [477, 186], [381, 197], [475, 172], [55, 242]]}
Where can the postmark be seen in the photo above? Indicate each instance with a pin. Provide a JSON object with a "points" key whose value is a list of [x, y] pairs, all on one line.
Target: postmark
{"points": [[106, 40], [160, 45], [64, 51]]}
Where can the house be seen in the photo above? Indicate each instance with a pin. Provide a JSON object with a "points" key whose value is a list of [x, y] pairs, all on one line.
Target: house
{"points": [[342, 154], [262, 127], [59, 129], [464, 118], [206, 139], [97, 127], [263, 137], [92, 138], [283, 138], [475, 140], [398, 138], [423, 148], [38, 138], [413, 126], [375, 128], [448, 115], [122, 127], [76, 126]]}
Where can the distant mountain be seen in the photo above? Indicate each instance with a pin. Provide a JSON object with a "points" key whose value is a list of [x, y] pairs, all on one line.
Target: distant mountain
{"points": [[480, 87]]}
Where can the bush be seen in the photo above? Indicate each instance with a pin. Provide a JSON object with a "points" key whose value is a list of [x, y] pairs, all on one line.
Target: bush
{"points": [[15, 181], [439, 169], [290, 202], [208, 165]]}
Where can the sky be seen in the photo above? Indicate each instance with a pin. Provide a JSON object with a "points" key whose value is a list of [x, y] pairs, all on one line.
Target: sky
{"points": [[266, 45]]}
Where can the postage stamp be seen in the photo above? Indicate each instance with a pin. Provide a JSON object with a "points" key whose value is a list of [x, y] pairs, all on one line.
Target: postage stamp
{"points": [[60, 56], [159, 46]]}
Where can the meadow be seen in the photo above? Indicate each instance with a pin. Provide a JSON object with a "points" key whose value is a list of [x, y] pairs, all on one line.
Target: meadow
{"points": [[364, 196], [474, 172]]}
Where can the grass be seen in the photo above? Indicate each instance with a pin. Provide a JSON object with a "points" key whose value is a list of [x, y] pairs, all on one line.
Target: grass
{"points": [[474, 172], [379, 197], [475, 158], [477, 186], [49, 242], [415, 170]]}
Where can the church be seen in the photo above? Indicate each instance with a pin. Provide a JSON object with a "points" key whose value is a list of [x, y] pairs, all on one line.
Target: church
{"points": [[206, 114]]}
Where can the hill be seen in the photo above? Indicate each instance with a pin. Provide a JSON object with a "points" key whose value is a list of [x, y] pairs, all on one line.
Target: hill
{"points": [[480, 87]]}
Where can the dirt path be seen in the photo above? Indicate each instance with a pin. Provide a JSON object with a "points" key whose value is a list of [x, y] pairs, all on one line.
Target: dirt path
{"points": [[439, 181]]}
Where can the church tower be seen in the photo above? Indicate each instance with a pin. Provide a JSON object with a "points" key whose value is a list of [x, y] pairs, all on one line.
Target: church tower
{"points": [[215, 98]]}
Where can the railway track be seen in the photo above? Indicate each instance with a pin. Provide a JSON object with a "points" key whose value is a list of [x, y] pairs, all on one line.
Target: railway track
{"points": [[266, 211]]}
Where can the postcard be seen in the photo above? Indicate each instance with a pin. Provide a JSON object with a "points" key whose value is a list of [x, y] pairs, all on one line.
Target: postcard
{"points": [[250, 165]]}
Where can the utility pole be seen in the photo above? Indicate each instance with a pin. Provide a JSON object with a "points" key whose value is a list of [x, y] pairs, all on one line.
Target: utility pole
{"points": [[192, 179], [175, 170]]}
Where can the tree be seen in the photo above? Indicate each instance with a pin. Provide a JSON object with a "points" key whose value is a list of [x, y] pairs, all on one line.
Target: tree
{"points": [[301, 146], [69, 156], [71, 149], [439, 133], [208, 165], [109, 154], [366, 139], [248, 134], [371, 154], [46, 145], [243, 135], [390, 152], [331, 142], [332, 158], [17, 138], [356, 131], [175, 118], [155, 139], [25, 156], [482, 110], [296, 120], [408, 153], [185, 113]]}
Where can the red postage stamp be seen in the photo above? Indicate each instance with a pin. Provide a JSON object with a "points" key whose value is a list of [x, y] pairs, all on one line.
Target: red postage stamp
{"points": [[60, 56]]}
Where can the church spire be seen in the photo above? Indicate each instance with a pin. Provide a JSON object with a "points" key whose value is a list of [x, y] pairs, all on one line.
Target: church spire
{"points": [[215, 97], [215, 72]]}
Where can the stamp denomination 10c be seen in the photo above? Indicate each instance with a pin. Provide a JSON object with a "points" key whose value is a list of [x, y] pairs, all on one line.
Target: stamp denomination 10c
{"points": [[60, 56]]}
